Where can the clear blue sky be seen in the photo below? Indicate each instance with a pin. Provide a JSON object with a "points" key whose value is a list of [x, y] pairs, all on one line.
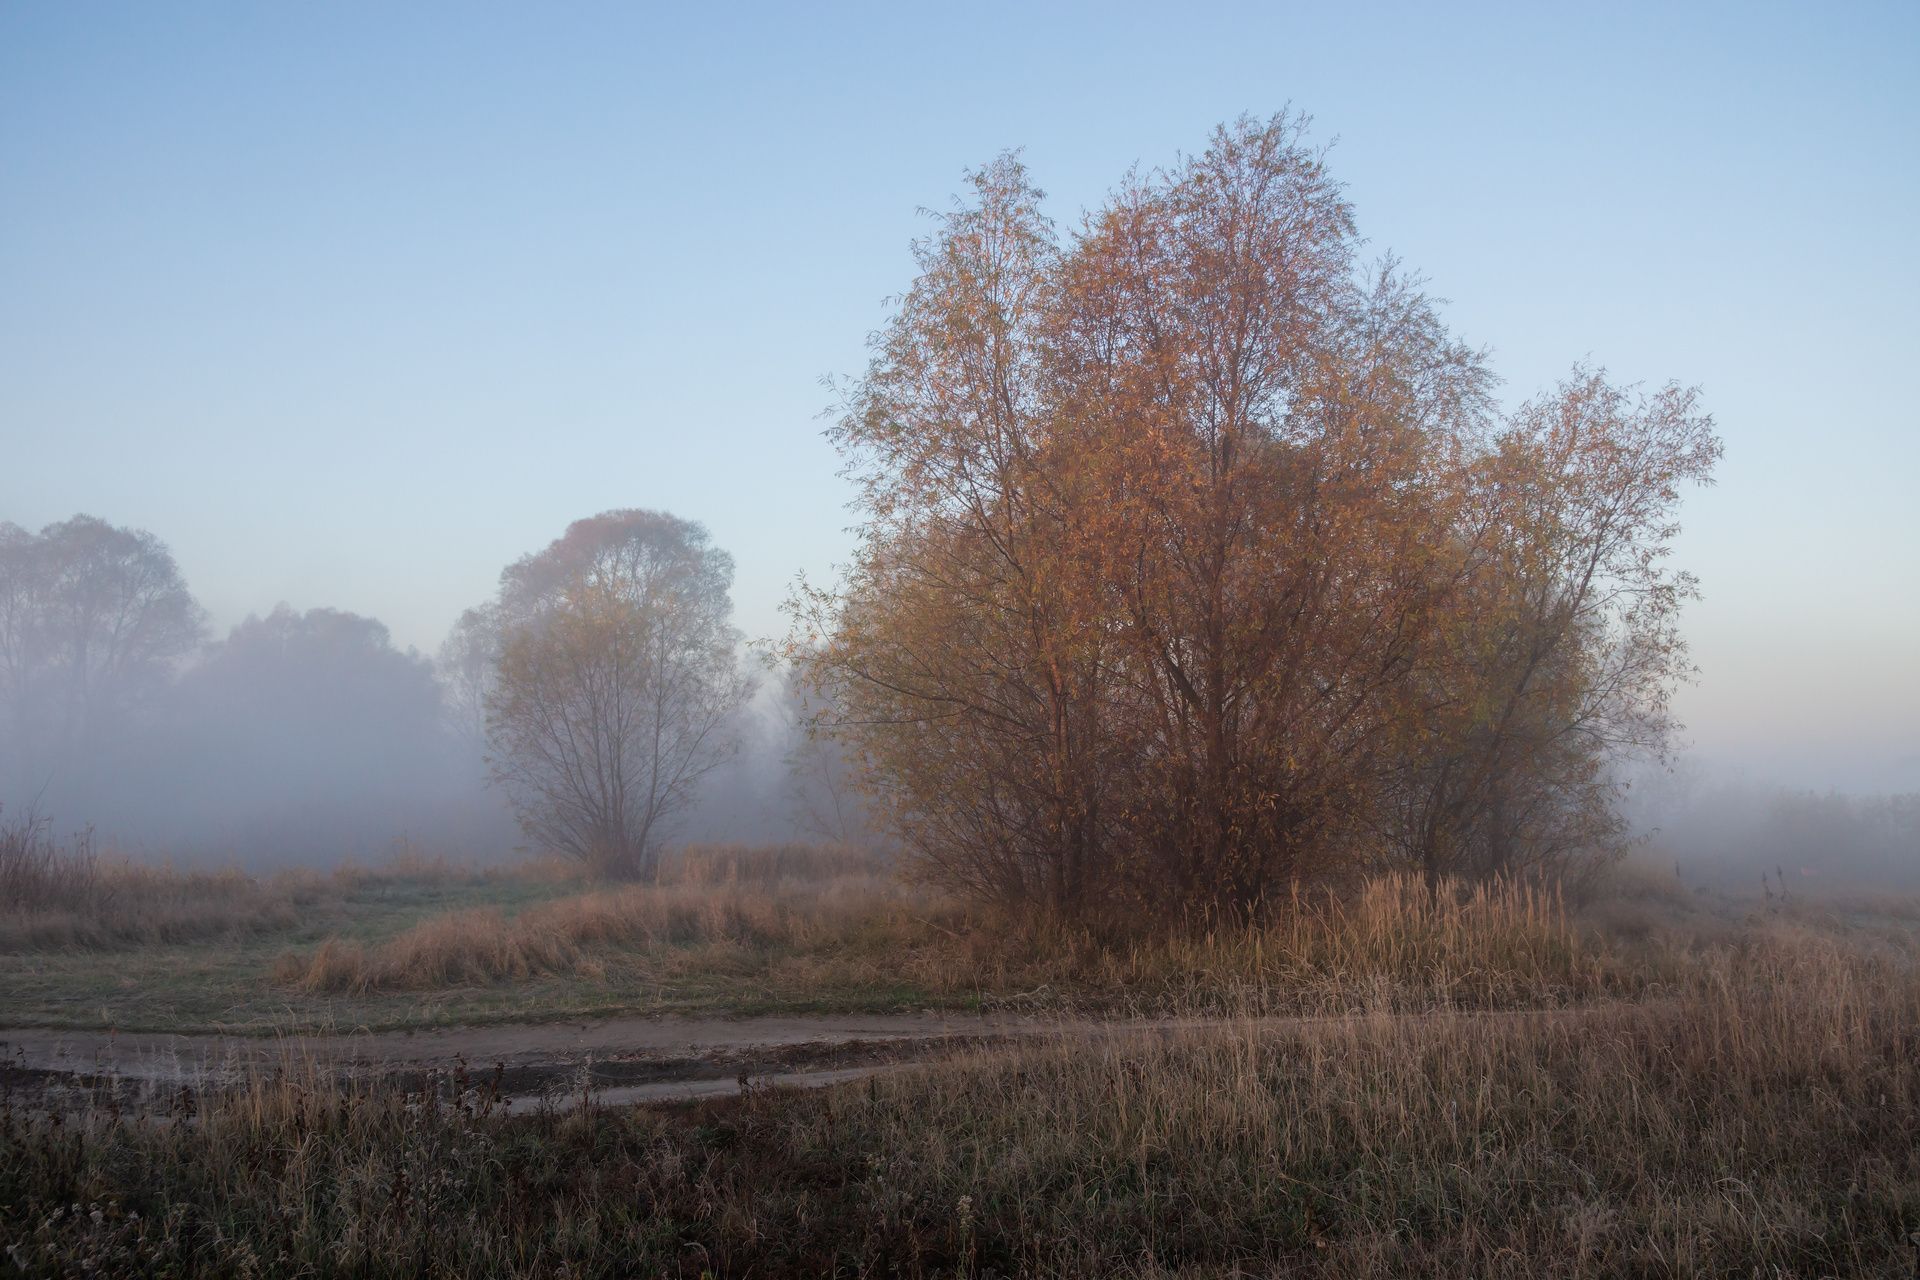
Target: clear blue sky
{"points": [[353, 304]]}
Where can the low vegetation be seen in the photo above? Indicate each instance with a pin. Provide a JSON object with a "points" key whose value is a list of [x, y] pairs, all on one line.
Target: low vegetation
{"points": [[411, 942], [1393, 944], [820, 928], [90, 939], [790, 898], [1762, 1126], [65, 896], [1654, 1081]]}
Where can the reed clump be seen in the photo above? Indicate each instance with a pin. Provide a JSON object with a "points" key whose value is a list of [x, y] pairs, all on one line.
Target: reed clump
{"points": [[63, 895]]}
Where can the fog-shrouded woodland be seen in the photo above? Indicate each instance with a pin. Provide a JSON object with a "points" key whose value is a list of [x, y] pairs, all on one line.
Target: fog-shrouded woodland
{"points": [[306, 736]]}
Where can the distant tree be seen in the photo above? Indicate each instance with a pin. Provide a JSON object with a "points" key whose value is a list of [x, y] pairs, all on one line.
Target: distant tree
{"points": [[823, 791], [467, 665], [306, 734], [94, 622], [616, 686]]}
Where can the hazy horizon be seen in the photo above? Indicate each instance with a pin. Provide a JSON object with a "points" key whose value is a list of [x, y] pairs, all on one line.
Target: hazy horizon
{"points": [[351, 308]]}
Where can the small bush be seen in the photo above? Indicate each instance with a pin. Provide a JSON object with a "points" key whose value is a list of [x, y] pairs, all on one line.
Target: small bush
{"points": [[37, 873]]}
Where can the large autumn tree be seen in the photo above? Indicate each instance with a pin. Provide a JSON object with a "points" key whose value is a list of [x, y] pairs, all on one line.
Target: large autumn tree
{"points": [[616, 684], [1194, 556]]}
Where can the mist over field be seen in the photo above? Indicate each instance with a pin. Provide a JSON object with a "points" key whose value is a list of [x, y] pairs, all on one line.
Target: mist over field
{"points": [[311, 738], [294, 739], [957, 642]]}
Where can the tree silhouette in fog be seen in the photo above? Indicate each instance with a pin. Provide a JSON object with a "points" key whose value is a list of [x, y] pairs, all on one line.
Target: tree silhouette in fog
{"points": [[616, 685], [94, 622], [310, 732]]}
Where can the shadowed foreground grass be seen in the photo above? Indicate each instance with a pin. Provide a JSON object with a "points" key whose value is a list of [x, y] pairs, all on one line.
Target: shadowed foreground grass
{"points": [[1769, 1124]]}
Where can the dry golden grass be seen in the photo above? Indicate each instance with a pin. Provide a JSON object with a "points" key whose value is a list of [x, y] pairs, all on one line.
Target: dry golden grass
{"points": [[1752, 1115], [839, 919], [1761, 1125], [137, 906], [732, 864], [55, 895], [794, 897]]}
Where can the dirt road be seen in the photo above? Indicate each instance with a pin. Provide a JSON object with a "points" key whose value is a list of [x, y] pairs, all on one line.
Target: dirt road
{"points": [[617, 1060]]}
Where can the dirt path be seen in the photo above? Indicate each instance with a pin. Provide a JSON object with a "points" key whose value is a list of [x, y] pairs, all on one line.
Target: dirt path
{"points": [[618, 1060], [168, 1057]]}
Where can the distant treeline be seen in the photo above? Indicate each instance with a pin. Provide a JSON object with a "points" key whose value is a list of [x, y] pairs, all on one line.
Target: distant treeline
{"points": [[1737, 835]]}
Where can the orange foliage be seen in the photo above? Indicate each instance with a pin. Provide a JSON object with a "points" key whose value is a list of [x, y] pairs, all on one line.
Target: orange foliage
{"points": [[1196, 562]]}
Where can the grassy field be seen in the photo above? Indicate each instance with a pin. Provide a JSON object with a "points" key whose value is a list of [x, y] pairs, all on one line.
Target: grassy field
{"points": [[1766, 1124], [220, 974], [726, 930], [1656, 1081], [816, 930], [415, 944]]}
